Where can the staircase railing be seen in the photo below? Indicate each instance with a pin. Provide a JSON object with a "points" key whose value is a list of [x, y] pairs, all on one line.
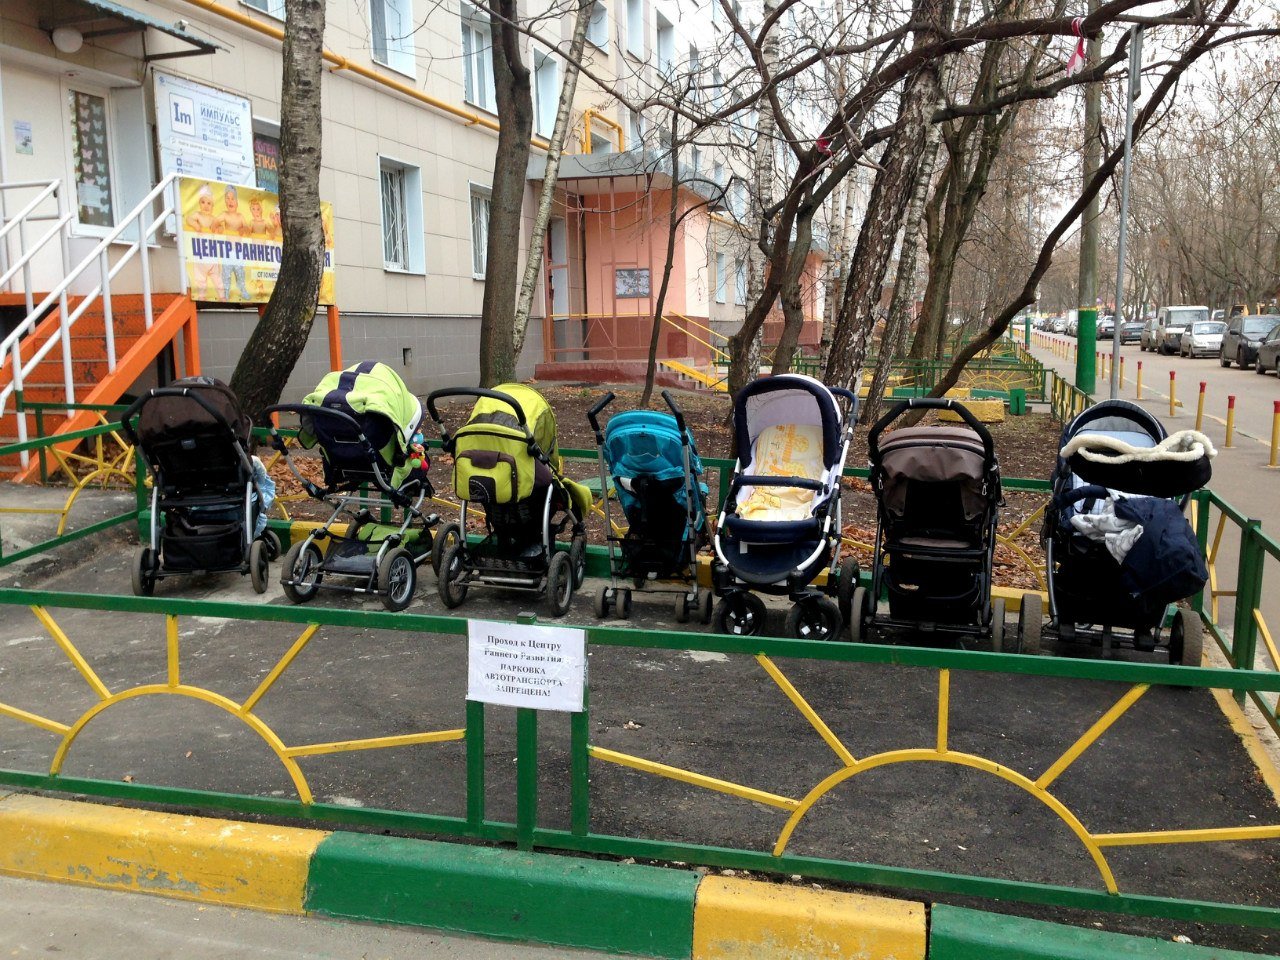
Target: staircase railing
{"points": [[144, 224], [17, 226]]}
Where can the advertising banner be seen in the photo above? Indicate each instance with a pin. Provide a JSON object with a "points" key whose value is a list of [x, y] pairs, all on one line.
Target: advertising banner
{"points": [[229, 236], [203, 131]]}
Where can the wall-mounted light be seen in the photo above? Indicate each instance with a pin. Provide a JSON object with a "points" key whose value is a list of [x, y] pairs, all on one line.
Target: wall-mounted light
{"points": [[67, 39]]}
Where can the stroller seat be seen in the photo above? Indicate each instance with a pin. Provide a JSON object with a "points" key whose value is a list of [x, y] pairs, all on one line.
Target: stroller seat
{"points": [[783, 450]]}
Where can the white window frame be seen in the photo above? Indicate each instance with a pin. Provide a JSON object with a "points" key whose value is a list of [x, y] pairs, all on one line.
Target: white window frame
{"points": [[89, 229], [635, 28], [400, 54], [546, 102], [665, 45], [479, 244], [695, 160], [637, 126], [722, 279], [272, 8], [477, 60], [740, 282], [598, 26], [695, 75], [413, 234]]}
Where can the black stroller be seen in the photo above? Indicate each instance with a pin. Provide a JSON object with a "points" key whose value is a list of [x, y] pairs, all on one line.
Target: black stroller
{"points": [[1118, 549], [937, 495], [652, 463], [205, 503], [365, 422], [781, 519]]}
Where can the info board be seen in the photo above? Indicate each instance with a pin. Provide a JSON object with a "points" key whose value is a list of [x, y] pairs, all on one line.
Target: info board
{"points": [[521, 665]]}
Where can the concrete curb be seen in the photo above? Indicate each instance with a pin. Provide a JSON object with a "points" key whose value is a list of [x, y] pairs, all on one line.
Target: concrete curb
{"points": [[491, 892]]}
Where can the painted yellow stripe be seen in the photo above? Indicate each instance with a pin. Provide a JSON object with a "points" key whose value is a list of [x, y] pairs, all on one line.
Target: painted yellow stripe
{"points": [[188, 858], [22, 716], [72, 653], [1253, 745], [1087, 740], [695, 779], [807, 711], [1205, 835], [733, 919], [375, 743]]}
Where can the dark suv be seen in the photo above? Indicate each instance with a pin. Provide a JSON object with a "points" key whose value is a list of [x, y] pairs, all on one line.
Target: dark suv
{"points": [[1240, 342]]}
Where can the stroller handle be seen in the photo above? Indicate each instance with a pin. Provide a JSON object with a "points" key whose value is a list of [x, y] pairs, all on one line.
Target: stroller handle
{"points": [[593, 415], [477, 392], [127, 417], [675, 412], [930, 403]]}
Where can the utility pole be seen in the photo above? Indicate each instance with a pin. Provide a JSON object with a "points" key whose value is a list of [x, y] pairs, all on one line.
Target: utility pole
{"points": [[1135, 80], [1091, 154]]}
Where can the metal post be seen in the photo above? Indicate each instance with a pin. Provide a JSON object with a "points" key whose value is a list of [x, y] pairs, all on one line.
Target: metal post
{"points": [[1231, 421], [1135, 64]]}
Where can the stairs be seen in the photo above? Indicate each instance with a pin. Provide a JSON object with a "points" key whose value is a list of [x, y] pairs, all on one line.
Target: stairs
{"points": [[136, 349], [708, 378]]}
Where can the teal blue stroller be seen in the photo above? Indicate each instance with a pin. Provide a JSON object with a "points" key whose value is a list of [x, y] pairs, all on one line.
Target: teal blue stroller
{"points": [[651, 462]]}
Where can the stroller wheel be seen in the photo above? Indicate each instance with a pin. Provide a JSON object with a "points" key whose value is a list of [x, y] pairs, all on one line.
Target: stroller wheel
{"points": [[1186, 638], [445, 538], [623, 600], [560, 584], [997, 624], [578, 559], [273, 543], [259, 565], [682, 607], [397, 579], [847, 584], [858, 614], [602, 602], [300, 572], [741, 614], [453, 568], [814, 618], [705, 600], [143, 573], [1030, 623]]}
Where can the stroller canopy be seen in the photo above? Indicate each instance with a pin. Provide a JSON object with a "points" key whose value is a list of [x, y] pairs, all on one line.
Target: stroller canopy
{"points": [[647, 444], [791, 400], [934, 455], [539, 418], [368, 391], [209, 406]]}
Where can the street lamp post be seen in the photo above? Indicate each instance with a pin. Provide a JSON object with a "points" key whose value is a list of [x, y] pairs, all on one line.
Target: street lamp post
{"points": [[1135, 64]]}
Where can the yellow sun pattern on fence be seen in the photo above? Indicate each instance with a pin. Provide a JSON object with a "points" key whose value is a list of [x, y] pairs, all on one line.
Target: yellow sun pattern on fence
{"points": [[940, 752], [174, 687]]}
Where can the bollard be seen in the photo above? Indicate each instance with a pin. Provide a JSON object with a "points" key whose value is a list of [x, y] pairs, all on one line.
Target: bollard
{"points": [[1173, 384], [1122, 370], [1200, 406], [1275, 434], [1138, 390], [1231, 419]]}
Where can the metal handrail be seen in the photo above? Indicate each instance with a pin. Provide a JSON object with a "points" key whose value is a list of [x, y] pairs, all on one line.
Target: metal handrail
{"points": [[19, 223]]}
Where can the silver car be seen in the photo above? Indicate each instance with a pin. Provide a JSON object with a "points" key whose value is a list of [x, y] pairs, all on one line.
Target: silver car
{"points": [[1203, 338]]}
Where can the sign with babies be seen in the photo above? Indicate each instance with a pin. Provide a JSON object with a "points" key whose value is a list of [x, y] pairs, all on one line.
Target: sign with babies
{"points": [[229, 237], [519, 665]]}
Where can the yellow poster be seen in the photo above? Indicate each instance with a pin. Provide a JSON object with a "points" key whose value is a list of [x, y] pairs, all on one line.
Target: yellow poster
{"points": [[230, 242]]}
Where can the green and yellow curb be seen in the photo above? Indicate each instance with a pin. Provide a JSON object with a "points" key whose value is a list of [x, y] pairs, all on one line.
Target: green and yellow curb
{"points": [[501, 893]]}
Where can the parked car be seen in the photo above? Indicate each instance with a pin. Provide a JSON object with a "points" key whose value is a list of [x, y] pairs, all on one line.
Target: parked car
{"points": [[1106, 327], [1202, 339], [1269, 352], [1059, 324], [1244, 333], [1131, 331], [1073, 326], [1150, 339], [1219, 314], [1172, 321]]}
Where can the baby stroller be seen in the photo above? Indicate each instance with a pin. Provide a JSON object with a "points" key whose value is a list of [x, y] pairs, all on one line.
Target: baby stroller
{"points": [[505, 459], [205, 504], [365, 422], [780, 524], [937, 493], [652, 464], [1118, 550]]}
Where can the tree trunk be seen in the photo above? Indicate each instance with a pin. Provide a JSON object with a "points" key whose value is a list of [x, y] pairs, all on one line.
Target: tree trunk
{"points": [[535, 259], [792, 300], [514, 96], [281, 334], [841, 214], [762, 175], [673, 225]]}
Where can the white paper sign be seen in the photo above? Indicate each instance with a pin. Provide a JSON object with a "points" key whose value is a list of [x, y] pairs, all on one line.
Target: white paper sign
{"points": [[515, 665], [203, 131]]}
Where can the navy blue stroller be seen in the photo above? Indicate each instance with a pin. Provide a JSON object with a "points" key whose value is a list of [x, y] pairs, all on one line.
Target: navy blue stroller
{"points": [[780, 525], [651, 462], [1118, 550]]}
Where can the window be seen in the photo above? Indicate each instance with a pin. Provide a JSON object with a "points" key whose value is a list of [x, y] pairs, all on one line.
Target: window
{"points": [[480, 206], [391, 34], [601, 144], [598, 26], [477, 61], [635, 130], [274, 8], [402, 234], [722, 281], [635, 28], [546, 93], [666, 44], [740, 283], [695, 160], [91, 158], [738, 200], [695, 75]]}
